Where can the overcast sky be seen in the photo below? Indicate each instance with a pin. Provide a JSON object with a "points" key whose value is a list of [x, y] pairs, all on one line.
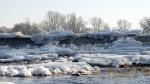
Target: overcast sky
{"points": [[13, 11]]}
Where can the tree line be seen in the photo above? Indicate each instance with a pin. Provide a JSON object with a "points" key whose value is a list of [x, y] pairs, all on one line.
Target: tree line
{"points": [[55, 21]]}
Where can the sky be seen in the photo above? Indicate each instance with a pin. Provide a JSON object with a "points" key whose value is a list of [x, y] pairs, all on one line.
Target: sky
{"points": [[15, 11]]}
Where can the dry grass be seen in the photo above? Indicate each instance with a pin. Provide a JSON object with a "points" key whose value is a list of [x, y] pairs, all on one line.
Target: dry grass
{"points": [[127, 72]]}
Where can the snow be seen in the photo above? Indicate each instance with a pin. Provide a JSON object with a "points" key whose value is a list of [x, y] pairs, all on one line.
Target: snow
{"points": [[16, 55], [65, 52], [19, 34], [14, 35], [23, 71], [126, 42], [54, 48], [45, 69], [57, 71], [112, 59], [3, 70], [136, 31], [70, 59], [124, 51], [61, 59], [41, 71], [12, 72], [123, 46], [46, 37]]}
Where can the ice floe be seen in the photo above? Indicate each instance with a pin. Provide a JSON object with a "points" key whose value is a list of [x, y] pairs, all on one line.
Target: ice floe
{"points": [[46, 69], [126, 42], [113, 59], [70, 59], [46, 37]]}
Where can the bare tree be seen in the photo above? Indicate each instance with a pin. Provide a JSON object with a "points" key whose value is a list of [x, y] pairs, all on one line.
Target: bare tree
{"points": [[106, 27], [26, 28], [123, 25], [145, 25], [80, 24], [74, 23], [4, 29], [43, 26], [35, 28], [54, 20], [96, 23], [71, 22]]}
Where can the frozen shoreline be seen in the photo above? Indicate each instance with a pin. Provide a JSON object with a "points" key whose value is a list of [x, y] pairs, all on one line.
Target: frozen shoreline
{"points": [[108, 76], [54, 59]]}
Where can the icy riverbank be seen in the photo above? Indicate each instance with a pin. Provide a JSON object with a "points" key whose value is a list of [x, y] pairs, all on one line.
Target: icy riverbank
{"points": [[70, 59], [48, 69]]}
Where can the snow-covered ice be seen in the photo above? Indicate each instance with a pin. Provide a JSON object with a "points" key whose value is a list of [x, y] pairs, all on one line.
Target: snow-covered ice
{"points": [[126, 42], [54, 59], [45, 69], [46, 37]]}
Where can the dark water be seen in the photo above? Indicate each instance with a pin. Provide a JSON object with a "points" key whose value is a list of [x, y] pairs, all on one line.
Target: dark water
{"points": [[98, 79]]}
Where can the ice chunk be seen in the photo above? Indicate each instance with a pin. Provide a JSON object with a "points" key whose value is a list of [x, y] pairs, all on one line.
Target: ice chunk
{"points": [[3, 70], [45, 69], [23, 71], [18, 58], [120, 60], [33, 57], [46, 37], [94, 59], [57, 71], [109, 59], [12, 72], [65, 68], [84, 72], [52, 48], [62, 60], [41, 71], [65, 52], [41, 38], [145, 52], [49, 48], [145, 59], [5, 54], [14, 35], [19, 34], [126, 42]]}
